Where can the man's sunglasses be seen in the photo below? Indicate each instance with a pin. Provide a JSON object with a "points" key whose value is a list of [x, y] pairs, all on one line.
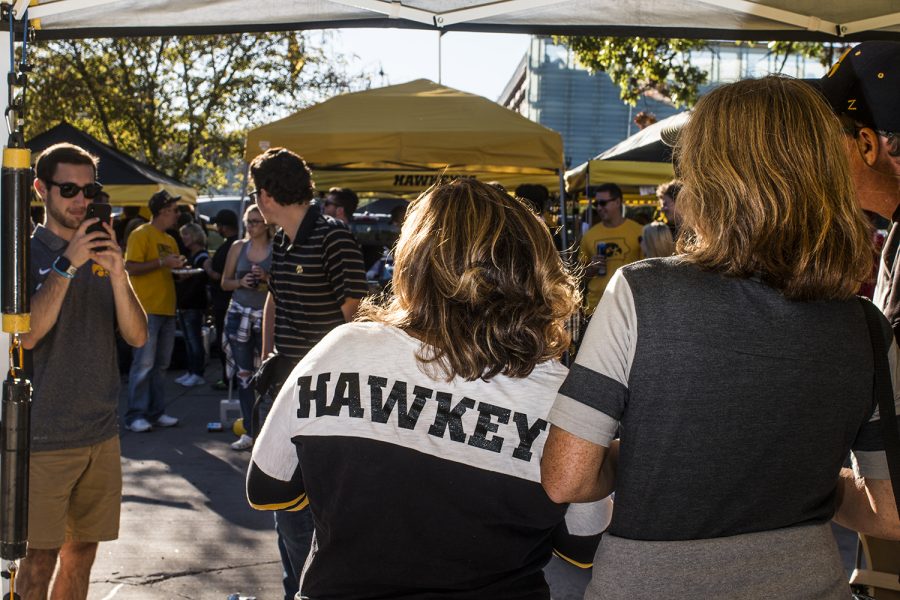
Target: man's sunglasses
{"points": [[603, 203], [70, 190]]}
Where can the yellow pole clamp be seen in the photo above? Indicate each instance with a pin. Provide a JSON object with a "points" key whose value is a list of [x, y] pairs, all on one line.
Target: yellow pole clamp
{"points": [[16, 158]]}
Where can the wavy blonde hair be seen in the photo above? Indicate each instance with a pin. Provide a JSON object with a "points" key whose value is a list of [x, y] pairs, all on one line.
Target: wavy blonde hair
{"points": [[479, 282], [767, 190]]}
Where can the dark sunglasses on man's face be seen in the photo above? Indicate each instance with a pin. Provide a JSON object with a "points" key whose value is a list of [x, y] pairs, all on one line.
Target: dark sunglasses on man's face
{"points": [[603, 203], [70, 190]]}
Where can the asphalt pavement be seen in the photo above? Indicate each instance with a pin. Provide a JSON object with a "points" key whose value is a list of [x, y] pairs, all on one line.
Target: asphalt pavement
{"points": [[187, 530]]}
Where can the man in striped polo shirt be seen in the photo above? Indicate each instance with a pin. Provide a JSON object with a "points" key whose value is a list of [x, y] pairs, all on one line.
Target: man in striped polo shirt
{"points": [[316, 281]]}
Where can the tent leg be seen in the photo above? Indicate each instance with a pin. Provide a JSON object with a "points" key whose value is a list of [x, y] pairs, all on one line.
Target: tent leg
{"points": [[244, 204]]}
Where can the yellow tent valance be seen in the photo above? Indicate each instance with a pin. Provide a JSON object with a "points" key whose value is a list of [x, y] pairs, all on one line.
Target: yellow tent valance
{"points": [[621, 172]]}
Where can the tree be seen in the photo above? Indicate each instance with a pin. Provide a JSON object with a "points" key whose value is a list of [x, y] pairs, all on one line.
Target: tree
{"points": [[182, 104], [663, 66]]}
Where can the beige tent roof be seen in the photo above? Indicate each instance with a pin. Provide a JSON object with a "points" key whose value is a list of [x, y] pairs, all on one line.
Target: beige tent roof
{"points": [[407, 128]]}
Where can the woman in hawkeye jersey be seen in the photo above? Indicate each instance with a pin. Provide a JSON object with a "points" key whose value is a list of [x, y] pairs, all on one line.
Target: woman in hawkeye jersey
{"points": [[415, 434]]}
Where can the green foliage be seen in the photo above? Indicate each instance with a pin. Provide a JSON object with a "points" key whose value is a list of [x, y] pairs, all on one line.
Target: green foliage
{"points": [[662, 67], [182, 104], [642, 65]]}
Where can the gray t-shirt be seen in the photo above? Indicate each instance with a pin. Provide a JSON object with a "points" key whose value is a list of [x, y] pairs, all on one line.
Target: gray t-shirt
{"points": [[75, 370]]}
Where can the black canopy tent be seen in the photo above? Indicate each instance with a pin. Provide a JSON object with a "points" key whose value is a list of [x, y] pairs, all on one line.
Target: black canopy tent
{"points": [[129, 182]]}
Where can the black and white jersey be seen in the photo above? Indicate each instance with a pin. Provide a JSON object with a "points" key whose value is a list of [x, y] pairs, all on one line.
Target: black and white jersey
{"points": [[419, 487]]}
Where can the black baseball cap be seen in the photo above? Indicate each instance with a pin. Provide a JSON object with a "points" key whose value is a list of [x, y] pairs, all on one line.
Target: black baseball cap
{"points": [[864, 84], [160, 200], [226, 217]]}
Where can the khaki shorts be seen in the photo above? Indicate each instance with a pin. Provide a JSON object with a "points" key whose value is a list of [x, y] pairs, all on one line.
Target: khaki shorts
{"points": [[75, 495]]}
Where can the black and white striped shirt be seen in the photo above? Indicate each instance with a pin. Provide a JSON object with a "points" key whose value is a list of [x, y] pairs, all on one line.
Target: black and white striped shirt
{"points": [[310, 279]]}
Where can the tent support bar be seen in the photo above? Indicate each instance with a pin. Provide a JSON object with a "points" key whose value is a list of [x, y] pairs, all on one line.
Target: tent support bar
{"points": [[396, 10], [776, 14], [393, 10], [62, 6], [493, 9], [871, 24]]}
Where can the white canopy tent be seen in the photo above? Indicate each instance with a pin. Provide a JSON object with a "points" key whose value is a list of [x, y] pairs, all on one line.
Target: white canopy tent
{"points": [[712, 19]]}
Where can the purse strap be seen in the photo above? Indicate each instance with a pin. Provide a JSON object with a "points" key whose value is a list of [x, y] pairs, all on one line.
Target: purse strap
{"points": [[884, 394]]}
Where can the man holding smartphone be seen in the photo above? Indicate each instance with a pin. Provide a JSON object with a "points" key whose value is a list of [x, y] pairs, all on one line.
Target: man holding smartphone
{"points": [[81, 291]]}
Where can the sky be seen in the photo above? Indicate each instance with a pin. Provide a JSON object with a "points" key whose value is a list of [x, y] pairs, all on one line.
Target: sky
{"points": [[479, 63]]}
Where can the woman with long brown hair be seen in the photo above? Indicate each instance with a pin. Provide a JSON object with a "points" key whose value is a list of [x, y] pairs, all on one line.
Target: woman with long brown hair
{"points": [[419, 428], [738, 374]]}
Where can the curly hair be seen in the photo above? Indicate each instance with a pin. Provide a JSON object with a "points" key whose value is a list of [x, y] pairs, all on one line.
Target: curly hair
{"points": [[767, 190], [284, 175], [479, 282]]}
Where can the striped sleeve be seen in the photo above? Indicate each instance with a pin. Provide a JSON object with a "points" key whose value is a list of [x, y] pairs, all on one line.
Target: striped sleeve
{"points": [[868, 456], [274, 479], [344, 264], [592, 399]]}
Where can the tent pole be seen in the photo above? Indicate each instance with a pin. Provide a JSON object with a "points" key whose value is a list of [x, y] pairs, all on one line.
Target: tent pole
{"points": [[563, 221], [244, 201]]}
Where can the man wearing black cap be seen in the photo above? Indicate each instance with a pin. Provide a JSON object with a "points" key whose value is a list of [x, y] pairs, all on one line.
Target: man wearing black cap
{"points": [[226, 222], [863, 87], [149, 259]]}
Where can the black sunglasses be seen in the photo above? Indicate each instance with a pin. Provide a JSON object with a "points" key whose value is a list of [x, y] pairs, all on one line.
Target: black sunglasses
{"points": [[605, 202], [70, 190], [253, 196]]}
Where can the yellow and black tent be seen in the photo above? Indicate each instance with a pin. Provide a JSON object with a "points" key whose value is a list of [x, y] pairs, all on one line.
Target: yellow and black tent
{"points": [[402, 138]]}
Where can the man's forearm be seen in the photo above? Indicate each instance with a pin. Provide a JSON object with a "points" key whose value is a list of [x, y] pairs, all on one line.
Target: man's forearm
{"points": [[866, 506], [45, 306], [142, 268], [129, 313], [349, 308]]}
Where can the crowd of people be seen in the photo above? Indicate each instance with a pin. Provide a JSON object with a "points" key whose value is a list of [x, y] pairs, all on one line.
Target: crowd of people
{"points": [[429, 442]]}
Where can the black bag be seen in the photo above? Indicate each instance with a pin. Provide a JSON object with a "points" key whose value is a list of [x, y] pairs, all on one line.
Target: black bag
{"points": [[272, 374]]}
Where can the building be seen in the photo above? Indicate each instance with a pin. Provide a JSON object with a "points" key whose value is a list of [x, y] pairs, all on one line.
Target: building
{"points": [[549, 88]]}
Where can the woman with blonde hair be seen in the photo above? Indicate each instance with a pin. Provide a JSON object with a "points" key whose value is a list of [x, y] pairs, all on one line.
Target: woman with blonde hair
{"points": [[656, 240], [739, 374], [415, 433], [246, 275]]}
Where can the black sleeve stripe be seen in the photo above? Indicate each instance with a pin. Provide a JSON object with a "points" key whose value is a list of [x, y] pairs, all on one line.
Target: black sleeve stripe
{"points": [[595, 390], [267, 493], [869, 438], [578, 550]]}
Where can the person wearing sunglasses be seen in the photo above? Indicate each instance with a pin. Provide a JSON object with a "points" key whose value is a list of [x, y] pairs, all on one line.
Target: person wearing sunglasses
{"points": [[81, 293], [863, 88], [611, 243], [246, 276]]}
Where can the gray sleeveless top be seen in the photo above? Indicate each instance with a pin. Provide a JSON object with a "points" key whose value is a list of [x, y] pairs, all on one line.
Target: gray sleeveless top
{"points": [[252, 298]]}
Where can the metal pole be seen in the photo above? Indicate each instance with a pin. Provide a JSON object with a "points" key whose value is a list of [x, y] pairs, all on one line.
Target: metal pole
{"points": [[440, 56]]}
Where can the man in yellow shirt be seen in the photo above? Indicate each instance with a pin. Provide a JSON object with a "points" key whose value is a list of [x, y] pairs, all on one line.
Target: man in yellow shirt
{"points": [[611, 243], [149, 259]]}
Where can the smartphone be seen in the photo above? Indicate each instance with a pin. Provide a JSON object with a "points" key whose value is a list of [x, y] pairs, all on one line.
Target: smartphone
{"points": [[102, 212], [98, 211]]}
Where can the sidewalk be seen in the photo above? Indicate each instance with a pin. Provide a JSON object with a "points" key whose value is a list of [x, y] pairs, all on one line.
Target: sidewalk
{"points": [[187, 530]]}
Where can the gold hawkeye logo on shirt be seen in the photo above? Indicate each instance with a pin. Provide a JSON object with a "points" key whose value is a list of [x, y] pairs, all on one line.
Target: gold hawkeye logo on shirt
{"points": [[99, 271]]}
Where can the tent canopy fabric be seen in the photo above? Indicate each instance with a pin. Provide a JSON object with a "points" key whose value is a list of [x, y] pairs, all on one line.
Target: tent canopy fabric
{"points": [[639, 160], [401, 138], [704, 19], [128, 182]]}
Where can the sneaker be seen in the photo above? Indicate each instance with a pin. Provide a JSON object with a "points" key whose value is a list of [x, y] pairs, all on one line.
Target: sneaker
{"points": [[195, 380], [244, 443], [139, 426], [164, 420], [183, 380]]}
